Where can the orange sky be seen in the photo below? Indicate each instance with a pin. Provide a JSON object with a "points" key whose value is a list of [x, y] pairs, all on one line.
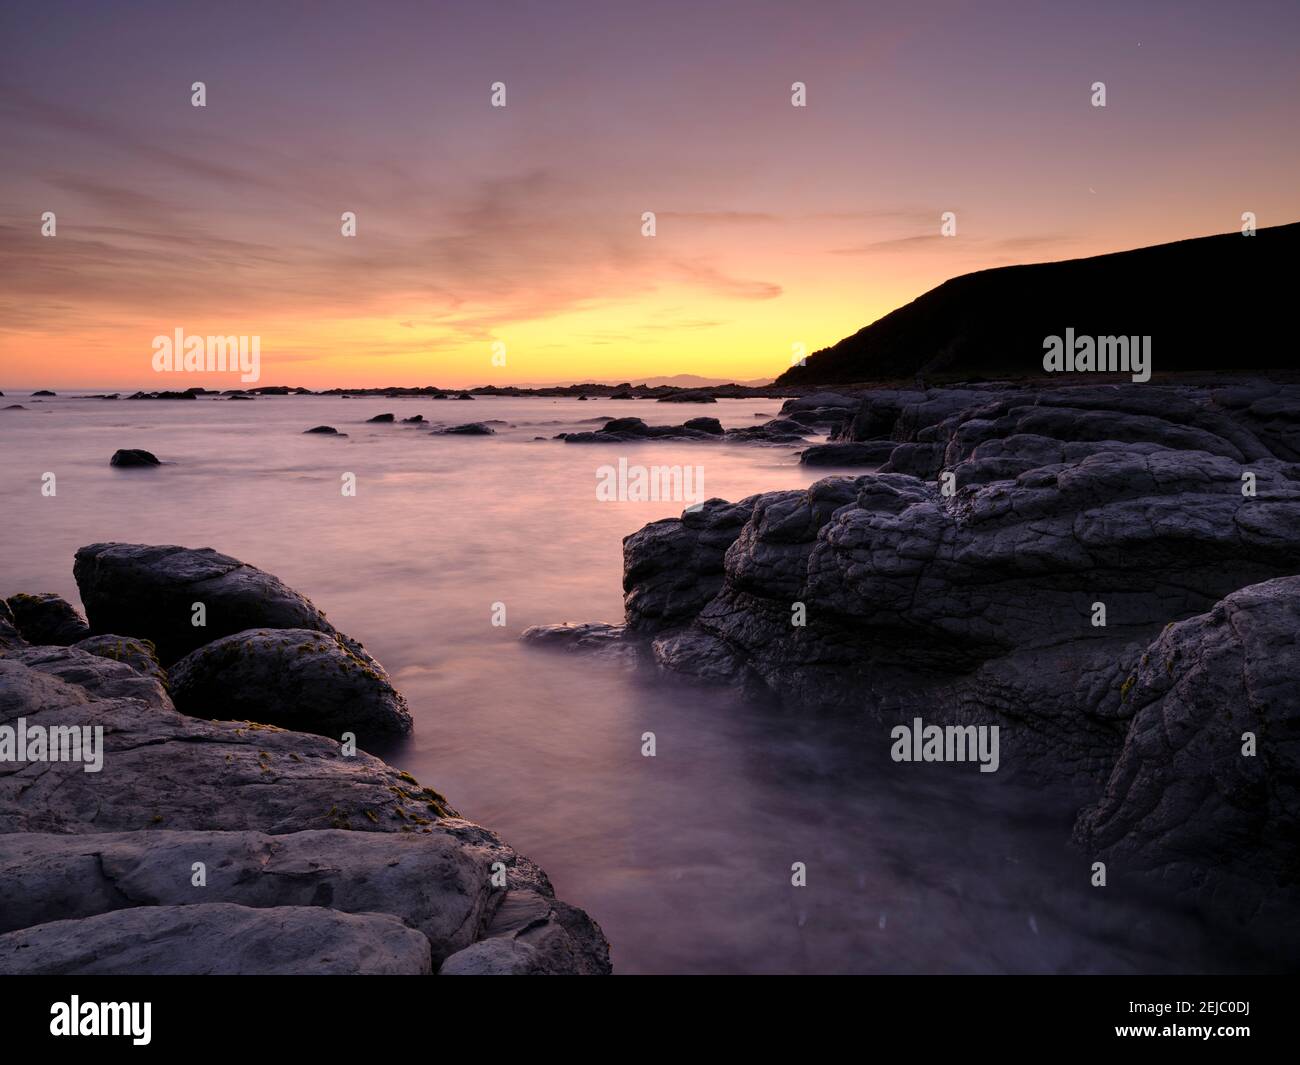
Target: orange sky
{"points": [[776, 226]]}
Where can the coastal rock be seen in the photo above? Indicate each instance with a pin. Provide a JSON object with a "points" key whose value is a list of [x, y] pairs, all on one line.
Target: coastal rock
{"points": [[468, 429], [279, 792], [323, 430], [295, 678], [9, 635], [673, 567], [688, 396], [44, 392], [381, 418], [46, 618], [594, 638], [140, 655], [435, 884], [632, 430], [133, 457], [873, 453], [150, 591], [1205, 794], [217, 939], [414, 419]]}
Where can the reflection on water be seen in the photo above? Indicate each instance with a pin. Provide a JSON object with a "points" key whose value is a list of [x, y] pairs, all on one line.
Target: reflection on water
{"points": [[685, 858]]}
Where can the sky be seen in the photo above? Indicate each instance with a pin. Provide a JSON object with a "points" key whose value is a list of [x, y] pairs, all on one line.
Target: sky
{"points": [[517, 231]]}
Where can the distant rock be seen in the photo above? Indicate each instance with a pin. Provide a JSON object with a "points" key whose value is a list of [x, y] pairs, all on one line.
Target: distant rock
{"points": [[626, 430], [414, 419], [324, 430], [241, 397], [296, 678], [15, 406], [689, 396], [44, 392], [464, 395], [381, 418], [624, 394], [46, 618], [133, 457], [468, 429]]}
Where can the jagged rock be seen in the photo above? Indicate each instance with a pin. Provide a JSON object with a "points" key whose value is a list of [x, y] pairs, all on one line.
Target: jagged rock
{"points": [[672, 568], [1184, 804], [295, 678], [873, 453], [47, 618], [9, 635], [150, 591], [777, 431], [133, 457], [217, 939]]}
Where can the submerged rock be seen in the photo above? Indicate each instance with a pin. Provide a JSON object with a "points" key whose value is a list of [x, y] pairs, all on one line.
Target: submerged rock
{"points": [[295, 678], [380, 418], [133, 457], [468, 429], [323, 430]]}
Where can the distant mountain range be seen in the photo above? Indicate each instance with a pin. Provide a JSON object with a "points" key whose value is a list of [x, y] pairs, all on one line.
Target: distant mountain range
{"points": [[1209, 304]]}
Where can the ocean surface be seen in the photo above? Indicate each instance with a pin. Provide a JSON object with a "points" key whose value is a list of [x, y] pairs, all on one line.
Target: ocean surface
{"points": [[685, 859]]}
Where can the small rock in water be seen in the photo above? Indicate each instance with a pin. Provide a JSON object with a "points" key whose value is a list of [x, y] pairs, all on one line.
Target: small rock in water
{"points": [[381, 418], [134, 456], [469, 429], [324, 430]]}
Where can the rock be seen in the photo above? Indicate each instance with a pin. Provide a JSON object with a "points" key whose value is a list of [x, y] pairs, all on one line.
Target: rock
{"points": [[217, 939], [44, 392], [295, 678], [244, 398], [133, 457], [688, 396], [873, 453], [15, 406], [673, 567], [469, 429], [777, 431], [1184, 805], [9, 635], [630, 430], [622, 394], [150, 591], [381, 418], [605, 641], [47, 619], [434, 884], [249, 797], [140, 655], [464, 395], [323, 430], [414, 419]]}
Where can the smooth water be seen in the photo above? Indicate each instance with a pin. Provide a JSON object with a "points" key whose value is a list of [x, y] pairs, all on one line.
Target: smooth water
{"points": [[685, 858]]}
